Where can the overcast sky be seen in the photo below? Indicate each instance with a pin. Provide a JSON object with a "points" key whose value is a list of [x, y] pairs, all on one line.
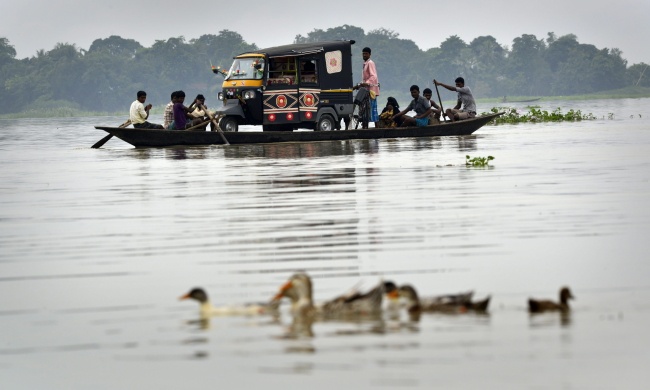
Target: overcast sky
{"points": [[31, 25]]}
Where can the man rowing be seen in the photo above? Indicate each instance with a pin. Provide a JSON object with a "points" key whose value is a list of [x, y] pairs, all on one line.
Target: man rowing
{"points": [[465, 100]]}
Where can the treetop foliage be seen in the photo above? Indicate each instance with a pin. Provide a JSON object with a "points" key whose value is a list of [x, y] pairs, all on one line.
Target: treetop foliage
{"points": [[107, 75]]}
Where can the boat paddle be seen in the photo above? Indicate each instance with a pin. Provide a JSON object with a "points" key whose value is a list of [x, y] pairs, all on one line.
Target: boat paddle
{"points": [[215, 123], [442, 110], [102, 141]]}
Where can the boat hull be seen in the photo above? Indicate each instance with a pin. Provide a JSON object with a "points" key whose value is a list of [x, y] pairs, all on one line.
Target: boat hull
{"points": [[155, 138]]}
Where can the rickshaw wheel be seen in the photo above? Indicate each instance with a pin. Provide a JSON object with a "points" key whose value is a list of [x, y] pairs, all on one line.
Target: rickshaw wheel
{"points": [[326, 123], [229, 123]]}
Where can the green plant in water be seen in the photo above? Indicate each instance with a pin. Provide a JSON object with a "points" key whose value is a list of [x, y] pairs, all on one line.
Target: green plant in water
{"points": [[535, 115], [478, 161]]}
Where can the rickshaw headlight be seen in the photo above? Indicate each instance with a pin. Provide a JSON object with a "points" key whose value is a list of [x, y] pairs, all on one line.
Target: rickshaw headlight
{"points": [[250, 94], [220, 96]]}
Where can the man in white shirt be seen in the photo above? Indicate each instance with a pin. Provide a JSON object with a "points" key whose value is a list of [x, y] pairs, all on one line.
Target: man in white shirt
{"points": [[139, 113]]}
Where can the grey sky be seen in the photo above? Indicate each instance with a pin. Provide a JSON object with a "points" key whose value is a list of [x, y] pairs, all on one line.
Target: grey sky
{"points": [[31, 25]]}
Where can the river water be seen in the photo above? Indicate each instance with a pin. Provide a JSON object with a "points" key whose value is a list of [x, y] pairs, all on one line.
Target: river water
{"points": [[97, 246]]}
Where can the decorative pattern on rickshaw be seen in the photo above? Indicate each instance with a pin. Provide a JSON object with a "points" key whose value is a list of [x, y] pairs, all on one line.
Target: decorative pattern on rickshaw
{"points": [[280, 101], [309, 99]]}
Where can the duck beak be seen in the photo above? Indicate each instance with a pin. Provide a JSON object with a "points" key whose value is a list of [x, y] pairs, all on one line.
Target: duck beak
{"points": [[393, 294], [283, 289], [186, 296]]}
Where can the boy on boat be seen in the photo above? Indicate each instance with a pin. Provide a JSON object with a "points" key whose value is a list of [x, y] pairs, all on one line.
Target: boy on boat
{"points": [[465, 100], [422, 109], [138, 113], [434, 118]]}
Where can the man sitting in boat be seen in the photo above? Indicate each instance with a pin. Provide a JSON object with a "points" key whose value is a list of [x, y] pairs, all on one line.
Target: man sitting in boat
{"points": [[434, 118], [168, 114], [138, 113], [198, 113], [422, 109], [182, 115], [465, 100]]}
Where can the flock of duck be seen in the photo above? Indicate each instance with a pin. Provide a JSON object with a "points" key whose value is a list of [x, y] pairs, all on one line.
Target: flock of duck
{"points": [[298, 290]]}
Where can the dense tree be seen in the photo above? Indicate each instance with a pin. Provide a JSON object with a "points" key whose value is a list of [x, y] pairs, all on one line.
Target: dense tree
{"points": [[529, 74], [107, 75], [489, 59], [452, 60]]}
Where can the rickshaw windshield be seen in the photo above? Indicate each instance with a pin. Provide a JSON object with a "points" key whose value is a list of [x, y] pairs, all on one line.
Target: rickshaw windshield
{"points": [[246, 69]]}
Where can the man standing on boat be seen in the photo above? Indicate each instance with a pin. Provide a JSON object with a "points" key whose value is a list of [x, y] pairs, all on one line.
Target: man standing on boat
{"points": [[139, 113], [370, 80], [465, 100]]}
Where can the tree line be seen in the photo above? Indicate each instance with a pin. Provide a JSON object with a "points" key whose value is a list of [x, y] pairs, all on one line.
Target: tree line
{"points": [[105, 77]]}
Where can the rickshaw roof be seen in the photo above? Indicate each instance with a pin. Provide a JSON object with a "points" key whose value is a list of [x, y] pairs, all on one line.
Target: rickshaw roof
{"points": [[300, 49]]}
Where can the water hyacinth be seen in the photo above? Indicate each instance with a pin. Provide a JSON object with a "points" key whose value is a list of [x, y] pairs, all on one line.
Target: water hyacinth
{"points": [[535, 114]]}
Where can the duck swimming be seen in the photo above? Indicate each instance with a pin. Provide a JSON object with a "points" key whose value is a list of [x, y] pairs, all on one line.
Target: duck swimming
{"points": [[540, 306], [299, 291], [206, 309], [450, 303]]}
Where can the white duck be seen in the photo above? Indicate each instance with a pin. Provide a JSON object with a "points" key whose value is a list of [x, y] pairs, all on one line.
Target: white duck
{"points": [[207, 310]]}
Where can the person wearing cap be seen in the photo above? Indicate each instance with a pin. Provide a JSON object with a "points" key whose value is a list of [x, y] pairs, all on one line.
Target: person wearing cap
{"points": [[465, 100], [370, 80]]}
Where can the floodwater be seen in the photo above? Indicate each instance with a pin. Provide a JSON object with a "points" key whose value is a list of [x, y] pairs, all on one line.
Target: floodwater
{"points": [[96, 246]]}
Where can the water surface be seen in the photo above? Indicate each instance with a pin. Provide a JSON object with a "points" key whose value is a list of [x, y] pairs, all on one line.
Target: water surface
{"points": [[97, 245]]}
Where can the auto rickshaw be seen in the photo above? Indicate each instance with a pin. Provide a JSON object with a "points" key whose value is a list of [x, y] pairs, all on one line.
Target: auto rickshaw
{"points": [[299, 86]]}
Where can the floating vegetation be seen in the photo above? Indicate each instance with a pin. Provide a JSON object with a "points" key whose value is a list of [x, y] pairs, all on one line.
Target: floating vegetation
{"points": [[478, 161], [535, 114]]}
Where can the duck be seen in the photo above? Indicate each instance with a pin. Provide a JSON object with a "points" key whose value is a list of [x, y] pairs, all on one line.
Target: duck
{"points": [[206, 309], [298, 289], [449, 303], [540, 306]]}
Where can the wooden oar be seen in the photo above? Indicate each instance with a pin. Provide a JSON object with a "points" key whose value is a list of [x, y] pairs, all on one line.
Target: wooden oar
{"points": [[105, 139], [215, 123], [199, 125], [442, 110]]}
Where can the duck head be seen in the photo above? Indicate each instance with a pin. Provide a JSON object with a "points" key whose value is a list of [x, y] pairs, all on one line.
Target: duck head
{"points": [[391, 290], [565, 295], [299, 291], [197, 294]]}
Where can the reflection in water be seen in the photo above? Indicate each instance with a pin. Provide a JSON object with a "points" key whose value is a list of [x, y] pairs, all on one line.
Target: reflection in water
{"points": [[550, 319], [301, 327], [290, 150]]}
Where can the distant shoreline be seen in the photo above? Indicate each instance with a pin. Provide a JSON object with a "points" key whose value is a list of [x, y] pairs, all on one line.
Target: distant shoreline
{"points": [[625, 93]]}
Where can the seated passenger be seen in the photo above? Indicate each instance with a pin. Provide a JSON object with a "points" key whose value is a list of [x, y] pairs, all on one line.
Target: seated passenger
{"points": [[198, 113], [434, 118], [386, 117], [308, 72], [422, 109], [182, 114], [139, 113]]}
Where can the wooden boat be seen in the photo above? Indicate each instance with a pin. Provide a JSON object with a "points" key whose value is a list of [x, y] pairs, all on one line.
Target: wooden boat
{"points": [[150, 137]]}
